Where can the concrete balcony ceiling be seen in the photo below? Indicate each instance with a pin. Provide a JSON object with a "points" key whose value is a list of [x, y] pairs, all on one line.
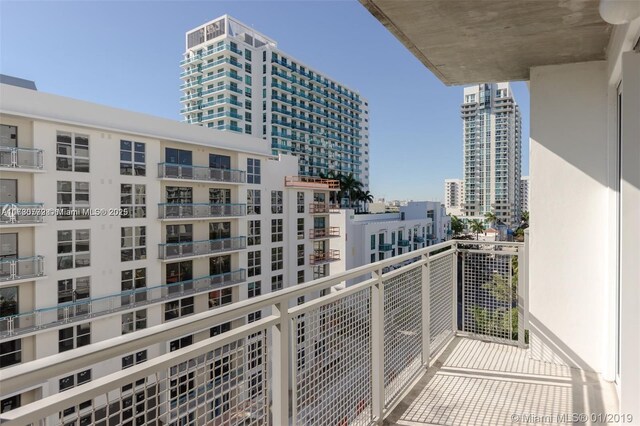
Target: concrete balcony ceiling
{"points": [[472, 41]]}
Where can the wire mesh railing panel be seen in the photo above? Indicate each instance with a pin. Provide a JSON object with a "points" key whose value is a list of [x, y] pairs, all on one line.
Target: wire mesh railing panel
{"points": [[441, 293], [490, 294], [226, 386], [402, 331], [332, 363]]}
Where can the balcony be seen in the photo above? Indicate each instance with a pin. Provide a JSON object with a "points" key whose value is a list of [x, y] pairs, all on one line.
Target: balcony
{"points": [[21, 268], [21, 214], [322, 257], [404, 243], [200, 173], [21, 159], [168, 211], [170, 251], [418, 239], [83, 309], [401, 347], [322, 233], [311, 183], [322, 208], [385, 247]]}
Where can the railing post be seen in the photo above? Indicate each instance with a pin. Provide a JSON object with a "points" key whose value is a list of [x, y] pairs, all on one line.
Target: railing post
{"points": [[454, 290], [280, 380], [426, 312], [377, 346]]}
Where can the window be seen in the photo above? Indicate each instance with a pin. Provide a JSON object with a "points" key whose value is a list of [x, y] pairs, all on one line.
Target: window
{"points": [[132, 158], [133, 281], [178, 156], [253, 170], [72, 152], [73, 249], [134, 321], [300, 277], [254, 289], [219, 161], [253, 201], [253, 237], [74, 337], [12, 402], [8, 136], [255, 316], [300, 228], [10, 352], [220, 297], [219, 230], [373, 257], [70, 382], [9, 302], [253, 263], [73, 200], [133, 243], [220, 265], [179, 195], [178, 272], [183, 342], [276, 230], [73, 290], [178, 308], [276, 259], [219, 196], [276, 202], [219, 329], [134, 359], [276, 282], [300, 300], [300, 254], [133, 200], [373, 242]]}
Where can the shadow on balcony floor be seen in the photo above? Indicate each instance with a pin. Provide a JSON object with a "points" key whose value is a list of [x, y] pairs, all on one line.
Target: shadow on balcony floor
{"points": [[480, 383]]}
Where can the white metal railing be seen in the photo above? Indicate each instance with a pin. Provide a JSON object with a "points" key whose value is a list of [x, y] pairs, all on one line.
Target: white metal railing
{"points": [[189, 172], [200, 248], [21, 158], [190, 211], [21, 213], [18, 268], [343, 358]]}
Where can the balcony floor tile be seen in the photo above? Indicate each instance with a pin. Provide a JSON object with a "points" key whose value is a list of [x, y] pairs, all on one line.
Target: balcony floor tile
{"points": [[480, 383]]}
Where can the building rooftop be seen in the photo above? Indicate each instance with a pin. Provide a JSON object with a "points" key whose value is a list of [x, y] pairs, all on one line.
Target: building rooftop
{"points": [[18, 82]]}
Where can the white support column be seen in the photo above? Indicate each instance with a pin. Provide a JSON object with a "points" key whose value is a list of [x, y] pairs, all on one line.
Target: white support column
{"points": [[455, 288], [426, 312], [280, 364], [377, 346]]}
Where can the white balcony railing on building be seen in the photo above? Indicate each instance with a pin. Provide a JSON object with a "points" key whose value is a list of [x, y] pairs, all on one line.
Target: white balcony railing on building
{"points": [[20, 268], [21, 213], [21, 158], [200, 248], [202, 210], [12, 326], [210, 174], [343, 358]]}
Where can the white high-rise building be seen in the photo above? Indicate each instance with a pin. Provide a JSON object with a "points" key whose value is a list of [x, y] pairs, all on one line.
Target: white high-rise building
{"points": [[236, 79], [524, 194], [453, 196], [113, 222], [492, 152]]}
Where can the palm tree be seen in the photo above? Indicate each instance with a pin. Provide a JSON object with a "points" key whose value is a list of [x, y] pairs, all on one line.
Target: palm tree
{"points": [[525, 216], [349, 186], [491, 218], [364, 197], [476, 226], [457, 226]]}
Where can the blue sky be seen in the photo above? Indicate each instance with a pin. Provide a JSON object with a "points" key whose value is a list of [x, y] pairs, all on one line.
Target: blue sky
{"points": [[126, 54]]}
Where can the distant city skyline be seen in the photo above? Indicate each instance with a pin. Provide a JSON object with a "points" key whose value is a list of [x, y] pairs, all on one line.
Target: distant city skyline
{"points": [[134, 66]]}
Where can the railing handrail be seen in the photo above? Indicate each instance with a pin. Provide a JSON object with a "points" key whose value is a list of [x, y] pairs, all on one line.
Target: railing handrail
{"points": [[22, 204], [201, 241], [133, 292], [20, 148], [17, 259]]}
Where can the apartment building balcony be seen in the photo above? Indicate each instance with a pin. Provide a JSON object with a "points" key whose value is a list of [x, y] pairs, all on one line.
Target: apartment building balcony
{"points": [[18, 269], [404, 243], [401, 347], [170, 211], [200, 173], [322, 257], [323, 233], [311, 183], [418, 239], [230, 127], [63, 314], [385, 247], [21, 214], [202, 248], [17, 159]]}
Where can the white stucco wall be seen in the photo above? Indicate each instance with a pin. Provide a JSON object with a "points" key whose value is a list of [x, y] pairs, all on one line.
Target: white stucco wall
{"points": [[568, 252]]}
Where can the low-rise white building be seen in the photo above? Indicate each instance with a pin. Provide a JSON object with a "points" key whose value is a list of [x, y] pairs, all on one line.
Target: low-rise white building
{"points": [[434, 210]]}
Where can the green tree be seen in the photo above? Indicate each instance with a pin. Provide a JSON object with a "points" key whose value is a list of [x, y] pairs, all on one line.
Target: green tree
{"points": [[476, 227], [525, 217], [457, 226], [491, 218], [349, 187]]}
